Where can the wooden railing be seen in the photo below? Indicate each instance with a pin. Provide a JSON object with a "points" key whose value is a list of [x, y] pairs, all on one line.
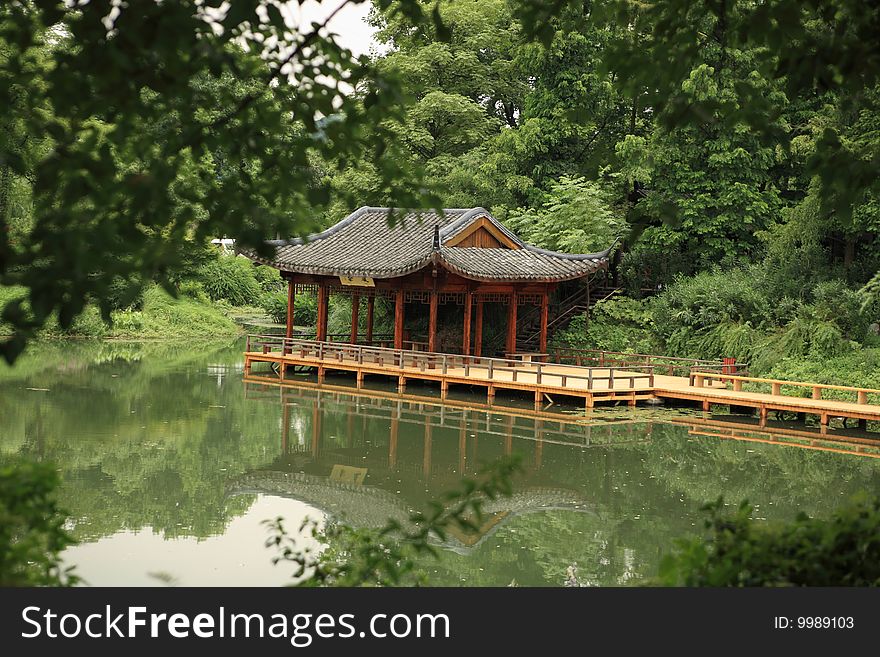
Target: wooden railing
{"points": [[780, 387], [669, 365], [467, 366], [379, 339]]}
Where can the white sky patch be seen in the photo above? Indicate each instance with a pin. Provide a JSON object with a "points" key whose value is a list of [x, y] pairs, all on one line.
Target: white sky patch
{"points": [[350, 23]]}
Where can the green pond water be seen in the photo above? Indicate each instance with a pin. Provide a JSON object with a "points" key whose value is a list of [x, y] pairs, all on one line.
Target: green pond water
{"points": [[170, 462]]}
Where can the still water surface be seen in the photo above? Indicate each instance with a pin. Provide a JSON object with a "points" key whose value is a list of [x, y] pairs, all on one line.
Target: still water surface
{"points": [[170, 462]]}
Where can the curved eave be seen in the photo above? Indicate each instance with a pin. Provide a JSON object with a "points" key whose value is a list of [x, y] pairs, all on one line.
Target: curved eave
{"points": [[597, 263], [599, 255], [409, 268], [464, 273]]}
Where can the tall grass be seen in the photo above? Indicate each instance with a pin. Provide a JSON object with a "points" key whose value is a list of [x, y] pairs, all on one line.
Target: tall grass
{"points": [[231, 278]]}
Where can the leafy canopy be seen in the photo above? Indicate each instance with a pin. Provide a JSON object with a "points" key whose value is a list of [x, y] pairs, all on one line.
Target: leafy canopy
{"points": [[150, 127], [842, 550]]}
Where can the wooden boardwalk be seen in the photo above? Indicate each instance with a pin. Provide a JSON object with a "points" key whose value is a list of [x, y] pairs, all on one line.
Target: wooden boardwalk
{"points": [[545, 381]]}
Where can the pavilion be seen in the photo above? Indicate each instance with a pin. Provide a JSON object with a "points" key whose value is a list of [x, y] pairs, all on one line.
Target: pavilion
{"points": [[461, 256]]}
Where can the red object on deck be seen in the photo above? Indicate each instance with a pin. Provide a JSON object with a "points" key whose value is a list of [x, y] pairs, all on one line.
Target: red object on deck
{"points": [[728, 366]]}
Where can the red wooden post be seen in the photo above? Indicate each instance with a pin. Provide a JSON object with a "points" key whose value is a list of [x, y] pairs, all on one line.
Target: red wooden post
{"points": [[398, 320], [370, 301], [323, 293], [317, 420], [511, 322], [392, 443], [285, 428], [426, 456], [478, 330], [355, 309], [290, 299], [466, 330], [462, 446], [432, 322], [545, 307]]}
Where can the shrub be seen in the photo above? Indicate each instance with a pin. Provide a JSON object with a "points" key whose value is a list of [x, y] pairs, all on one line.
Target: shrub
{"points": [[617, 324], [843, 550], [305, 308], [231, 278], [89, 324], [269, 278], [163, 316], [275, 305], [709, 299], [834, 302], [124, 293], [193, 290], [32, 534]]}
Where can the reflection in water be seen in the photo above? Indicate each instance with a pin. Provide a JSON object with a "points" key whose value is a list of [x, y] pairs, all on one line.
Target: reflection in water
{"points": [[170, 461], [233, 558]]}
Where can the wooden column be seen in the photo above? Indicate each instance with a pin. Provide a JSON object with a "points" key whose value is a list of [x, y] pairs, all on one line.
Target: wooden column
{"points": [[432, 322], [285, 428], [466, 329], [539, 443], [462, 445], [426, 455], [355, 309], [317, 421], [392, 443], [398, 320], [511, 323], [545, 308], [588, 302], [323, 294], [290, 299], [370, 301], [478, 330]]}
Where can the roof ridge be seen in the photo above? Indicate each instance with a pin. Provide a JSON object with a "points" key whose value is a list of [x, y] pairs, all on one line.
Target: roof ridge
{"points": [[465, 220], [357, 214]]}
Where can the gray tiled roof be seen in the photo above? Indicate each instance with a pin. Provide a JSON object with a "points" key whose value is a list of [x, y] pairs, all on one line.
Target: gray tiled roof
{"points": [[366, 244]]}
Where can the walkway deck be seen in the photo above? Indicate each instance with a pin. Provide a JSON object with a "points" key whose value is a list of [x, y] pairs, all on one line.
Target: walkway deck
{"points": [[546, 380]]}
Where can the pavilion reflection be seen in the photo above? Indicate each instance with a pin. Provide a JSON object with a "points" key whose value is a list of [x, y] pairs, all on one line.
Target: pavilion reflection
{"points": [[366, 456], [366, 459]]}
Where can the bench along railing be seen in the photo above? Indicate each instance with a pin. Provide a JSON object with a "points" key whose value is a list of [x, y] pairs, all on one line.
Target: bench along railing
{"points": [[493, 369], [669, 365], [780, 387]]}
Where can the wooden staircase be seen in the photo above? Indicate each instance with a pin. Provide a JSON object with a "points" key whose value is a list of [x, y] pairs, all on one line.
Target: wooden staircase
{"points": [[561, 314]]}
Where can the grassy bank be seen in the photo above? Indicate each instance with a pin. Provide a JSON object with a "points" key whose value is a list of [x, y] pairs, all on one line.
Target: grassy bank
{"points": [[826, 333], [159, 316]]}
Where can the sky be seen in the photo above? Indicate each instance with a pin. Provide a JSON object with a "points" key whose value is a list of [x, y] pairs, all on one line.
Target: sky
{"points": [[350, 23]]}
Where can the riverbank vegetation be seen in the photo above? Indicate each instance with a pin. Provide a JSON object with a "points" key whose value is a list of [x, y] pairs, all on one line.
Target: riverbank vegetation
{"points": [[842, 550], [741, 183], [732, 148], [204, 303]]}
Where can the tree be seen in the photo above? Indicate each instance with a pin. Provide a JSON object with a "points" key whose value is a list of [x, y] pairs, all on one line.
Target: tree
{"points": [[32, 534], [575, 218], [707, 188], [819, 49], [166, 124]]}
